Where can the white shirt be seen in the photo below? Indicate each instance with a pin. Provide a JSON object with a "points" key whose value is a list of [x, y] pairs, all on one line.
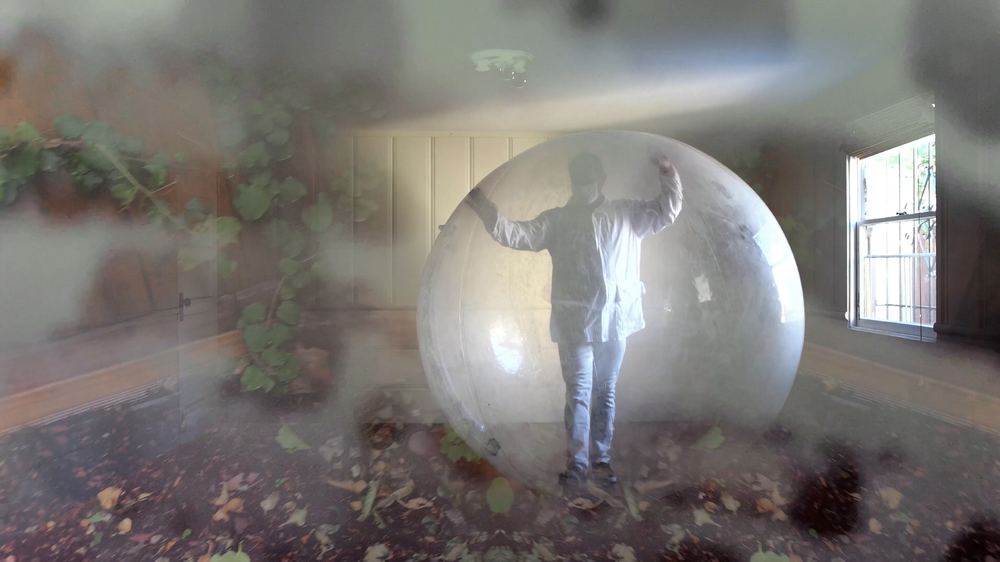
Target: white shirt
{"points": [[595, 249]]}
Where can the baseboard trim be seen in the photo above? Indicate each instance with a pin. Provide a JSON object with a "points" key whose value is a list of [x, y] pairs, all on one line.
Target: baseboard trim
{"points": [[107, 386]]}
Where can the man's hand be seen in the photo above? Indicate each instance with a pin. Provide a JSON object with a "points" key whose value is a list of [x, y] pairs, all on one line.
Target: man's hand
{"points": [[476, 199], [666, 166]]}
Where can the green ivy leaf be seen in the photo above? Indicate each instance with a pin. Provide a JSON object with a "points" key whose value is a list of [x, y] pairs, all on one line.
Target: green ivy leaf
{"points": [[123, 192], [712, 440], [8, 193], [768, 556], [251, 201], [263, 125], [227, 229], [254, 313], [161, 158], [318, 217], [196, 209], [291, 442], [6, 139], [132, 146], [22, 165], [231, 134], [181, 157], [280, 334], [288, 313], [226, 266], [50, 160], [287, 371], [253, 156], [27, 133], [90, 181], [93, 158], [69, 126], [256, 337], [292, 190], [287, 292], [275, 357], [278, 137], [98, 132], [295, 245], [253, 378], [284, 152], [288, 266], [500, 496], [190, 257]]}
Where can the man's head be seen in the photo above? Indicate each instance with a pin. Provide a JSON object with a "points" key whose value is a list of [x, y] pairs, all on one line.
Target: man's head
{"points": [[586, 176]]}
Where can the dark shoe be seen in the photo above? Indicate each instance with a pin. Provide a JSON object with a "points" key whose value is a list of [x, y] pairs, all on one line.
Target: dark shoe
{"points": [[573, 477], [604, 474]]}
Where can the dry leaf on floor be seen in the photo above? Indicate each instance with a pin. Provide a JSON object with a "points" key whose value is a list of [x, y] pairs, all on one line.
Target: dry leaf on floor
{"points": [[109, 497], [891, 497], [603, 496], [623, 553], [298, 517], [270, 502], [417, 503], [223, 497], [775, 495], [397, 495], [730, 503], [125, 526], [356, 505], [644, 505], [376, 553], [355, 487], [711, 507], [584, 503], [701, 517], [874, 526]]}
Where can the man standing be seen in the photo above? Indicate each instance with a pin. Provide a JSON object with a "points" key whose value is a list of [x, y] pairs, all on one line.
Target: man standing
{"points": [[596, 293]]}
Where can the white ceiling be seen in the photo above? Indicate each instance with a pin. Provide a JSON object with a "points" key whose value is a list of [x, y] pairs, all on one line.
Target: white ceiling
{"points": [[656, 65]]}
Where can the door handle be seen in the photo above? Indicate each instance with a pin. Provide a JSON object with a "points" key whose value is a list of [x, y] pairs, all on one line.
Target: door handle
{"points": [[182, 303]]}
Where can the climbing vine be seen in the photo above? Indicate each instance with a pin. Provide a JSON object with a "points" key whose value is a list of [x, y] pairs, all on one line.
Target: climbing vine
{"points": [[260, 119]]}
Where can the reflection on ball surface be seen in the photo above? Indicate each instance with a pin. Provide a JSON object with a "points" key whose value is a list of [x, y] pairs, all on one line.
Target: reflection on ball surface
{"points": [[712, 311]]}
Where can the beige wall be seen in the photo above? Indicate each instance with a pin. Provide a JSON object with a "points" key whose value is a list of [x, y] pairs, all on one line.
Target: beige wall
{"points": [[417, 179]]}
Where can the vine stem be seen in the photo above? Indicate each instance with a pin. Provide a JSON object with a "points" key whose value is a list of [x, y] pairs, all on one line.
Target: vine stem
{"points": [[139, 187], [274, 300]]}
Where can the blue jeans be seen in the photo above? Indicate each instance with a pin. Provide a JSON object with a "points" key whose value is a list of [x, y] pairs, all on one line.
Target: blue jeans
{"points": [[590, 371]]}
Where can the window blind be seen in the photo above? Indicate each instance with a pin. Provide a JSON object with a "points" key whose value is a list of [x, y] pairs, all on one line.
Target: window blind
{"points": [[897, 124]]}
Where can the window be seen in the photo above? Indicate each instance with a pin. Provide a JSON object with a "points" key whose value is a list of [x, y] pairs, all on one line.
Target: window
{"points": [[895, 237]]}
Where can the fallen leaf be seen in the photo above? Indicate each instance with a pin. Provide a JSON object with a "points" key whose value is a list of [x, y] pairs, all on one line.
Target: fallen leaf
{"points": [[765, 505], [676, 533], [830, 384], [417, 503], [234, 483], [396, 496], [356, 505], [584, 504], [356, 470], [711, 507], [369, 502], [270, 502], [125, 526], [234, 505], [874, 526], [298, 517], [646, 487], [291, 442], [701, 517], [764, 484], [223, 497], [768, 556], [775, 495], [644, 505], [623, 553], [711, 441], [456, 552], [631, 502], [500, 496], [891, 497], [603, 496], [730, 503], [109, 497], [379, 467], [354, 487]]}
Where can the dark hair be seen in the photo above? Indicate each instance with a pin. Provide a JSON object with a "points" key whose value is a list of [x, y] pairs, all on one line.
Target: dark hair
{"points": [[586, 168]]}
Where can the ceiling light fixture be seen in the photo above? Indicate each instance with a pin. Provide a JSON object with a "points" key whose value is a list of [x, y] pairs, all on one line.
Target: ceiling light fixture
{"points": [[510, 64]]}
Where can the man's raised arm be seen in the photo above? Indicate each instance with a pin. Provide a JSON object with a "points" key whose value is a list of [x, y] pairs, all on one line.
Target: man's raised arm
{"points": [[653, 215], [532, 235]]}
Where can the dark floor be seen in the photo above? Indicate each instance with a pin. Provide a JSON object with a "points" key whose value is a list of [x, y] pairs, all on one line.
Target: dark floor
{"points": [[836, 477]]}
